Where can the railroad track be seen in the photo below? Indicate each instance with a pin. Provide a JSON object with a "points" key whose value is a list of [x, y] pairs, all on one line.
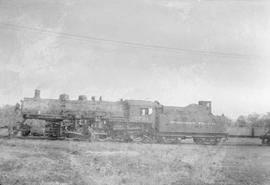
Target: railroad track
{"points": [[110, 140]]}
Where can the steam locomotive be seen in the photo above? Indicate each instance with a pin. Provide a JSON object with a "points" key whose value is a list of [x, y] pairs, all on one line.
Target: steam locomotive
{"points": [[123, 120]]}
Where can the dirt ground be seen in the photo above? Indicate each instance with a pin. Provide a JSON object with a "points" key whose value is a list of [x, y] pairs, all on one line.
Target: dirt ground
{"points": [[42, 162]]}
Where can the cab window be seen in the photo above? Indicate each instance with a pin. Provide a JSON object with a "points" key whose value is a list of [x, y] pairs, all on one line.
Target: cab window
{"points": [[146, 111]]}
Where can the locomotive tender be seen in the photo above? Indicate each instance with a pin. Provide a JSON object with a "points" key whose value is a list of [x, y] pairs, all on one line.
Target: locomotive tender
{"points": [[129, 120]]}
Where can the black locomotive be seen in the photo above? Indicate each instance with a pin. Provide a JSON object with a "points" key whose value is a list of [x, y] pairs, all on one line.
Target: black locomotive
{"points": [[124, 120]]}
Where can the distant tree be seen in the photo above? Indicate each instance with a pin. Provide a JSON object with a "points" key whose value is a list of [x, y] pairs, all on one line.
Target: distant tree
{"points": [[266, 119], [252, 119], [241, 121], [8, 116]]}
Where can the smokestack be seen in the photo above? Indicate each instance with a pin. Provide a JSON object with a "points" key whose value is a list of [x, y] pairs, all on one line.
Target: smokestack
{"points": [[37, 94]]}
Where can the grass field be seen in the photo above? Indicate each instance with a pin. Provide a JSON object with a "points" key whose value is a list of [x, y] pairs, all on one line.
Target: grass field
{"points": [[26, 162]]}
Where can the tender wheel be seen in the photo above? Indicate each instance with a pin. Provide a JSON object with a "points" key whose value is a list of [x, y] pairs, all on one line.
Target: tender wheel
{"points": [[198, 140], [216, 141], [211, 141]]}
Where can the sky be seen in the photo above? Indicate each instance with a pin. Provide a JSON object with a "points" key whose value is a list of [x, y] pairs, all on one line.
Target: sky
{"points": [[221, 51]]}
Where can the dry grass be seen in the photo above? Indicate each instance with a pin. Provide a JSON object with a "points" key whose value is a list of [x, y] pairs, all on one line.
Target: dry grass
{"points": [[80, 163]]}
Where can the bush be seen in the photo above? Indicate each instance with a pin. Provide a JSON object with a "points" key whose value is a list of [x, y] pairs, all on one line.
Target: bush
{"points": [[8, 116]]}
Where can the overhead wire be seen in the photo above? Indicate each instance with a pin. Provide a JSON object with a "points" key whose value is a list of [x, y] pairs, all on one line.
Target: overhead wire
{"points": [[122, 42]]}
